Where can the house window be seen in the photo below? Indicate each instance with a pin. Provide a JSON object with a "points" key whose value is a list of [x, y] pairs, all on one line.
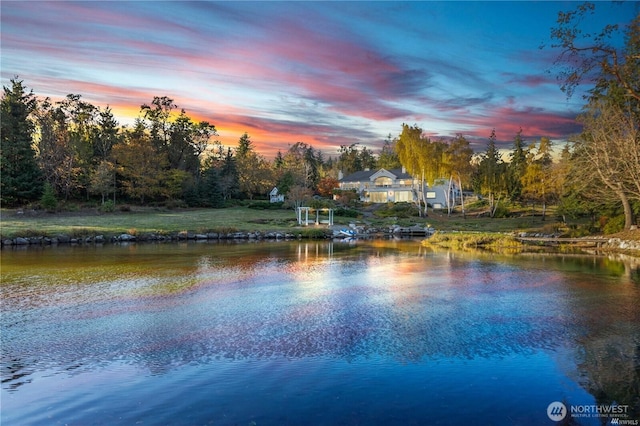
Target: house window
{"points": [[383, 181], [378, 197], [431, 194], [403, 196]]}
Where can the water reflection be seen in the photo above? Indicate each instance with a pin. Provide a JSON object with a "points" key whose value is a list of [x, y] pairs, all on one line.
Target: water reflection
{"points": [[161, 307]]}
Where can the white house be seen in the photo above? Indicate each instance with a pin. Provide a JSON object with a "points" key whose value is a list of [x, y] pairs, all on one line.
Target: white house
{"points": [[395, 186], [443, 193], [381, 186], [274, 197]]}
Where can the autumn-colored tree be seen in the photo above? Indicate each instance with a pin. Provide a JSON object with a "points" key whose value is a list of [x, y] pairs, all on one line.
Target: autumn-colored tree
{"points": [[298, 196], [538, 180], [105, 136], [327, 185], [80, 119], [140, 166], [57, 156], [604, 155], [156, 116], [607, 156], [103, 180], [303, 163], [255, 175], [426, 160]]}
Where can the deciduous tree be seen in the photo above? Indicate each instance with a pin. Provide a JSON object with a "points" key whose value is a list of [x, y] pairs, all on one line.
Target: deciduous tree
{"points": [[103, 179], [594, 55], [327, 185], [538, 179], [141, 167], [609, 149], [426, 160]]}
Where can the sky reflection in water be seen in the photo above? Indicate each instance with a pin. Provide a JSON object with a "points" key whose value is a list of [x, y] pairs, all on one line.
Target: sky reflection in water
{"points": [[379, 332]]}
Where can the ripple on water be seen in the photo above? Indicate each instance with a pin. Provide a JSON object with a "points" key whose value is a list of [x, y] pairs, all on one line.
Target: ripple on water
{"points": [[403, 311]]}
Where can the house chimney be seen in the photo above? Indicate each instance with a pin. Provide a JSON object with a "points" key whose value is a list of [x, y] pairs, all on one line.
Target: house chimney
{"points": [[366, 169], [404, 169], [340, 175]]}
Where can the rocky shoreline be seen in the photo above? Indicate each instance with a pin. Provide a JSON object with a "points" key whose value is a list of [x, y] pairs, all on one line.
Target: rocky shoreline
{"points": [[308, 233], [627, 242], [128, 238], [609, 244]]}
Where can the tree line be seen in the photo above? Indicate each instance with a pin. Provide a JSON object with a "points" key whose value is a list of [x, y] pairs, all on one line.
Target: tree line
{"points": [[73, 150]]}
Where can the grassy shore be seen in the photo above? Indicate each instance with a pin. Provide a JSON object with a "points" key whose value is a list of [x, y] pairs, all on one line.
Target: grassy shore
{"points": [[142, 221], [163, 221], [147, 220], [482, 240]]}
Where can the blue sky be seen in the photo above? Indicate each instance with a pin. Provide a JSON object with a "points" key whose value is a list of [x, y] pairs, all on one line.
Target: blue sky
{"points": [[324, 73]]}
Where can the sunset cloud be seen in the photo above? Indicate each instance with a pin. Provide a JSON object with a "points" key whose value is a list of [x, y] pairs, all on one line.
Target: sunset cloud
{"points": [[324, 73]]}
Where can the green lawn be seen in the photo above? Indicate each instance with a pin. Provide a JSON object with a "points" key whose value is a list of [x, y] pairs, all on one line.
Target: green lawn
{"points": [[146, 220]]}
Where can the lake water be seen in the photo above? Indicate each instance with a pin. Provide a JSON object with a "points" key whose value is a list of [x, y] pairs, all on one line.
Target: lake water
{"points": [[313, 333]]}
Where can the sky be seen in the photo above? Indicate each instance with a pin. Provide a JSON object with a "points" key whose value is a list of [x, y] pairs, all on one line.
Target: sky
{"points": [[325, 73]]}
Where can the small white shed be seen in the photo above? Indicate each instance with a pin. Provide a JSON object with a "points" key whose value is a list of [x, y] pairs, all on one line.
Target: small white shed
{"points": [[274, 197]]}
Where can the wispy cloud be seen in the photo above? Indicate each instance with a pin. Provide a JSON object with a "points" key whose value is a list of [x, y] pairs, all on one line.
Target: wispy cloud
{"points": [[324, 73]]}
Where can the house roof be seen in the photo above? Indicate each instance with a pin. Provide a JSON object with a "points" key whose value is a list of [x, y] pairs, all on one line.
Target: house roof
{"points": [[366, 175]]}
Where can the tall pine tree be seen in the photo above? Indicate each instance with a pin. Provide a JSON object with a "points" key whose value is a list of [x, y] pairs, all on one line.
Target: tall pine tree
{"points": [[20, 177], [516, 167], [489, 179]]}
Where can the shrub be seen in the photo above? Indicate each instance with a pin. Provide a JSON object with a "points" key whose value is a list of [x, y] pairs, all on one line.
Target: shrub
{"points": [[313, 233], [224, 229], [48, 199], [262, 205], [108, 207], [613, 225], [501, 211], [346, 212], [80, 232], [577, 231], [398, 210]]}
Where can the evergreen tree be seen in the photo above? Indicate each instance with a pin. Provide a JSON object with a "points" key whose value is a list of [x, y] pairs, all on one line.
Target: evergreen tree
{"points": [[245, 146], [210, 193], [20, 177], [278, 162], [229, 181], [48, 199], [490, 174], [516, 167], [388, 158]]}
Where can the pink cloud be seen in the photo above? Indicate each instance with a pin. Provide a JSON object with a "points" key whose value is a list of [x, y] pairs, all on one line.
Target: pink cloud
{"points": [[530, 80], [534, 122]]}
